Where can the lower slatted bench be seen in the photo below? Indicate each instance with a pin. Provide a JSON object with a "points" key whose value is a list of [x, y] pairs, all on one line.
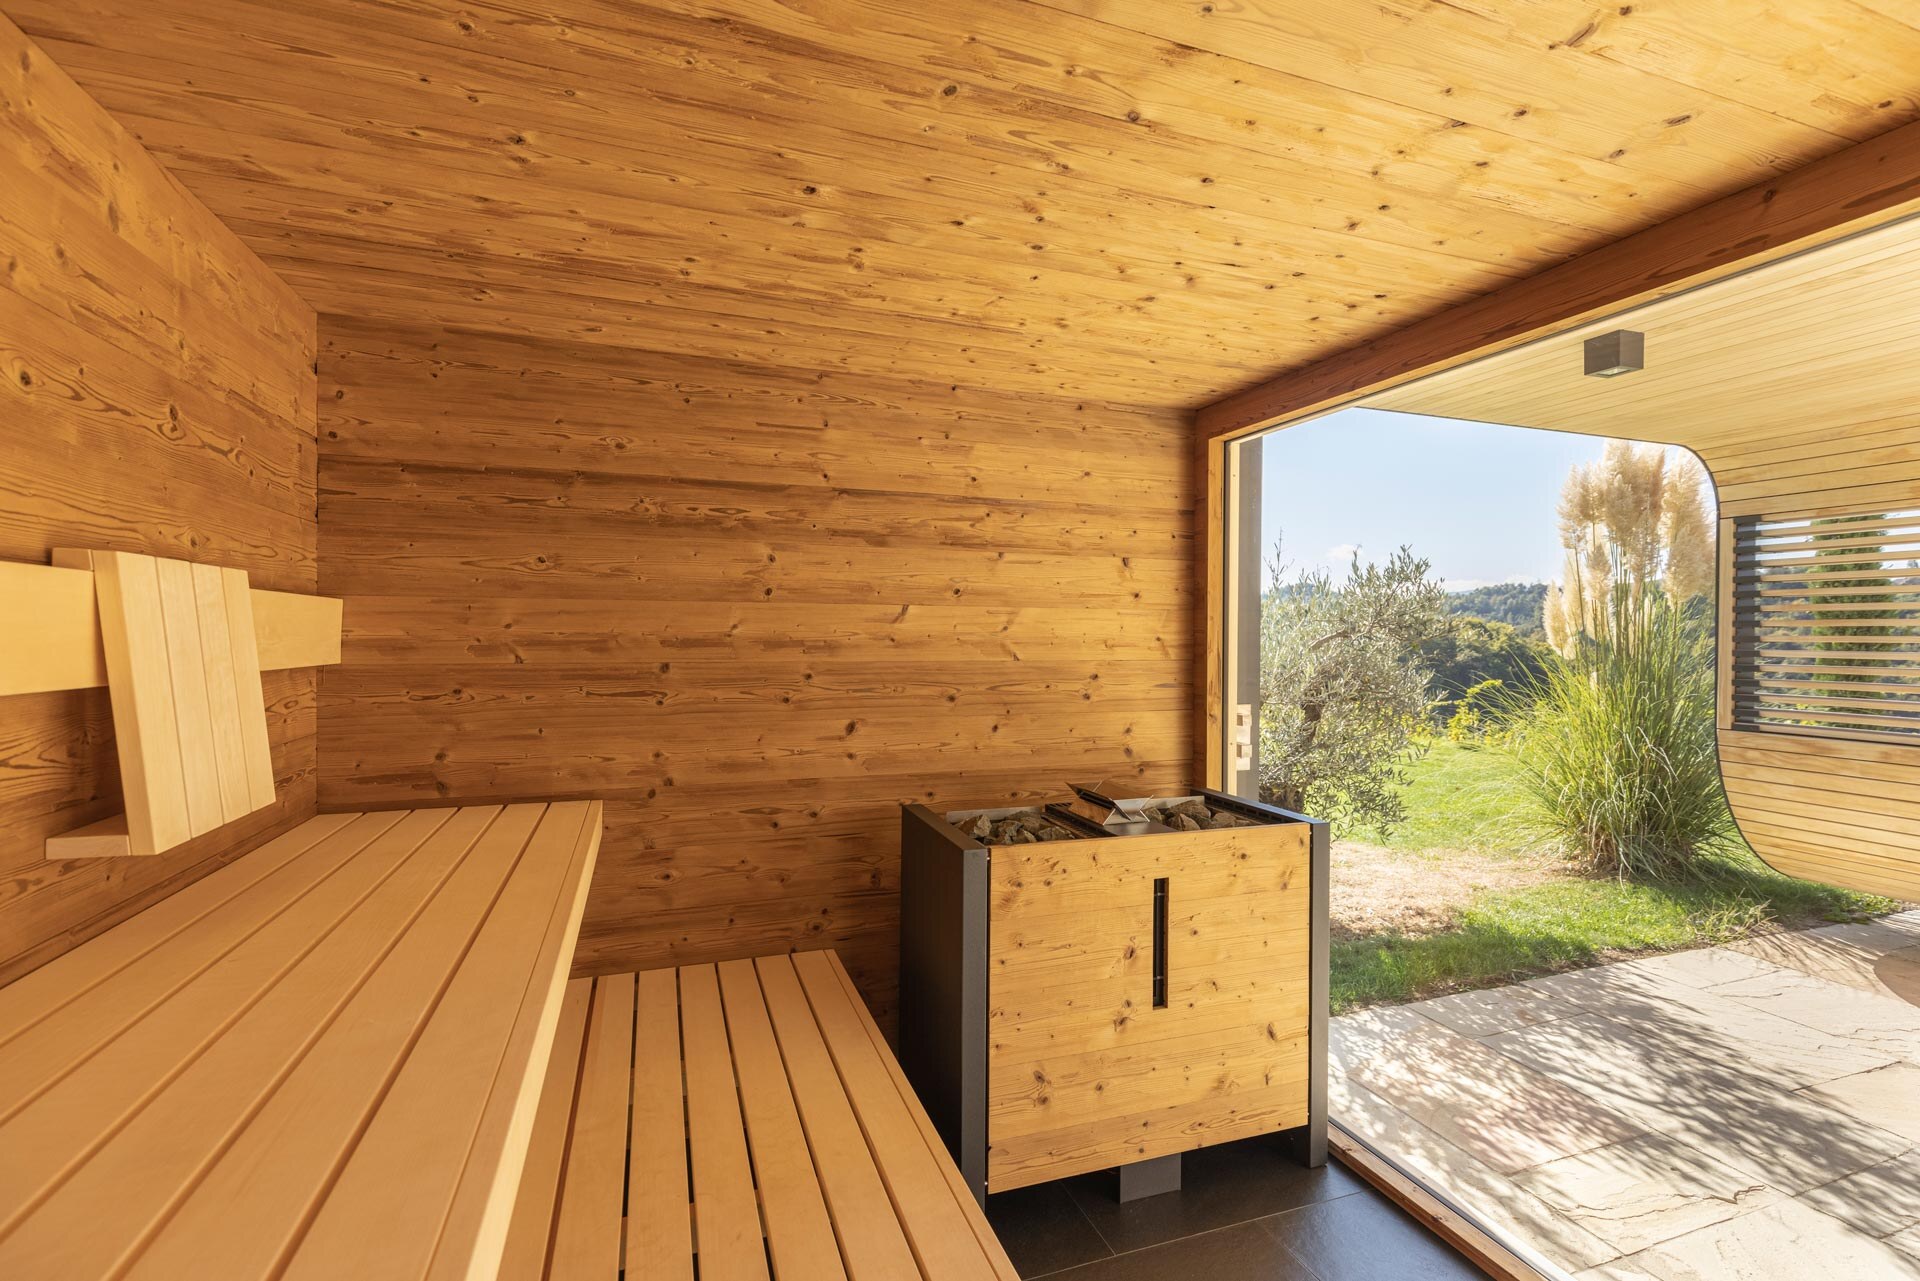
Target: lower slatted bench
{"points": [[746, 1119], [321, 1061]]}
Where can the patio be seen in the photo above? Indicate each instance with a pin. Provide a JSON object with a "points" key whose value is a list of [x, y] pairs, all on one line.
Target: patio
{"points": [[1744, 1112]]}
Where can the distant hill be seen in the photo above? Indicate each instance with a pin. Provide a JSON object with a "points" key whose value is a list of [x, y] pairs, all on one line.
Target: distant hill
{"points": [[1518, 604]]}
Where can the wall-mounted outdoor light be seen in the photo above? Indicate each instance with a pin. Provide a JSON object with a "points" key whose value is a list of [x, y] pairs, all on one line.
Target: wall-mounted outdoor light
{"points": [[1620, 352]]}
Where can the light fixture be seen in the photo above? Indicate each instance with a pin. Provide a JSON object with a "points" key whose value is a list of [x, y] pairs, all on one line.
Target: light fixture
{"points": [[1620, 352]]}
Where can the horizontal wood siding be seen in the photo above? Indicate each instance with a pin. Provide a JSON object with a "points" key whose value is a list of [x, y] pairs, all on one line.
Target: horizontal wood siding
{"points": [[751, 609], [1825, 808], [157, 390]]}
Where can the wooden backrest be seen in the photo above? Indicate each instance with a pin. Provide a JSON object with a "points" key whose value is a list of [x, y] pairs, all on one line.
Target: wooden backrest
{"points": [[189, 714]]}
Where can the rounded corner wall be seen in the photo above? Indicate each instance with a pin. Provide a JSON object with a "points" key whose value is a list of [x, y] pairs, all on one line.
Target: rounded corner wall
{"points": [[1821, 807]]}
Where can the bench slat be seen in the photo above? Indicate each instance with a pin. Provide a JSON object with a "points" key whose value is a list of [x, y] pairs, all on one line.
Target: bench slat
{"points": [[58, 1014], [411, 1165], [323, 1059], [229, 754], [871, 1239], [84, 1107], [810, 1159], [990, 1247], [586, 1231], [726, 1213], [476, 1225], [248, 1211], [800, 1238], [942, 1238], [525, 1258], [99, 1216], [659, 1211]]}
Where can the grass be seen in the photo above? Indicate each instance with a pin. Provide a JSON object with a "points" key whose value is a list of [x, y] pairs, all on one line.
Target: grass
{"points": [[1461, 798], [1457, 798]]}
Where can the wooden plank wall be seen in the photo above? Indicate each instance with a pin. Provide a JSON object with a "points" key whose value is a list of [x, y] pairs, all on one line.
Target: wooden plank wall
{"points": [[752, 609], [157, 395], [1827, 809]]}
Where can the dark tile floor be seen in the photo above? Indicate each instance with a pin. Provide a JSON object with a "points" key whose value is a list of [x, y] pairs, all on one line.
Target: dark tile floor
{"points": [[1245, 1212]]}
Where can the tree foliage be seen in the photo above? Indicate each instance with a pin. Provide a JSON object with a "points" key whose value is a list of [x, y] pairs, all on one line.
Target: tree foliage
{"points": [[1469, 651], [1516, 604], [1342, 686]]}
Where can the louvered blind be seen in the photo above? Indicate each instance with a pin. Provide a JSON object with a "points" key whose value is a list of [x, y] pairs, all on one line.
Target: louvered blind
{"points": [[1826, 624]]}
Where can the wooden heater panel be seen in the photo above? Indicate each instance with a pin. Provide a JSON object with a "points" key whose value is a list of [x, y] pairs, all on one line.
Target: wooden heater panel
{"points": [[1118, 997], [1147, 995]]}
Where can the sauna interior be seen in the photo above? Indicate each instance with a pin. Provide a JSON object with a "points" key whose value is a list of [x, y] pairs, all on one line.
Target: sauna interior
{"points": [[544, 543]]}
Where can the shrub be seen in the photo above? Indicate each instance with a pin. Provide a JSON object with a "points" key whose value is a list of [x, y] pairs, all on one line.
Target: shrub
{"points": [[1615, 744], [1342, 690]]}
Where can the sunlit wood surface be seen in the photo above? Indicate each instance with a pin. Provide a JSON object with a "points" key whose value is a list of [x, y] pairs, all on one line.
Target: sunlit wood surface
{"points": [[322, 1060], [1127, 199], [743, 1121]]}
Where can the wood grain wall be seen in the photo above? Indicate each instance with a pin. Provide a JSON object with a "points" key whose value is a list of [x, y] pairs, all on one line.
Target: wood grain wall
{"points": [[156, 394], [752, 609]]}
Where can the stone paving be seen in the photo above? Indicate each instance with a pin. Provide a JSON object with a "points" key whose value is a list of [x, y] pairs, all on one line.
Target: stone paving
{"points": [[1740, 1113]]}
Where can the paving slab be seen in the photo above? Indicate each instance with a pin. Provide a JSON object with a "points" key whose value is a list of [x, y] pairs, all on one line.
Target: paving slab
{"points": [[1620, 1271], [1696, 1089], [1647, 1190], [1851, 955], [1686, 1024], [1881, 1200], [1357, 1039], [1703, 967], [1881, 1021], [1739, 1113], [1501, 1206], [1495, 1010], [1785, 1241], [1489, 1104], [1889, 1096]]}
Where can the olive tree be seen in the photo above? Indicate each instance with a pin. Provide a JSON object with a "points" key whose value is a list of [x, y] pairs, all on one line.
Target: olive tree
{"points": [[1343, 690]]}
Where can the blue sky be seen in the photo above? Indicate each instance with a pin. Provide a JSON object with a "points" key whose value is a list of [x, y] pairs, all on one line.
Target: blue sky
{"points": [[1477, 499]]}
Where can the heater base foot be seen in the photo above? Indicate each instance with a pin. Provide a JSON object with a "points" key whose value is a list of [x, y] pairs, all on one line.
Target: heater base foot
{"points": [[1146, 1178]]}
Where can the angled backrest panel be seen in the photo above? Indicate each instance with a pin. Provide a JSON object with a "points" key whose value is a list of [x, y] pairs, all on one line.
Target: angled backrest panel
{"points": [[183, 674]]}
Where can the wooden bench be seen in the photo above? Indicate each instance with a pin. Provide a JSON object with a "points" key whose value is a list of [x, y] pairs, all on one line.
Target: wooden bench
{"points": [[747, 1116], [320, 1061]]}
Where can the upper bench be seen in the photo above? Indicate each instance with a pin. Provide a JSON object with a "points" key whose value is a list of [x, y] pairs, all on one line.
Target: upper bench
{"points": [[320, 1061]]}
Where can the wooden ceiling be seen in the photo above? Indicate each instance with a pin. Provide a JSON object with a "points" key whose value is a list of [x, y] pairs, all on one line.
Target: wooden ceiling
{"points": [[1152, 201]]}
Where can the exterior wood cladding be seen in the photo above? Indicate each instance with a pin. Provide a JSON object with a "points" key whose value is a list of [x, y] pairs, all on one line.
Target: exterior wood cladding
{"points": [[752, 609], [158, 397], [1081, 1004]]}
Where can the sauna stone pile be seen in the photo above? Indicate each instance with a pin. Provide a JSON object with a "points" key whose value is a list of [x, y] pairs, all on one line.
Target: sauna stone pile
{"points": [[1195, 816], [1028, 827]]}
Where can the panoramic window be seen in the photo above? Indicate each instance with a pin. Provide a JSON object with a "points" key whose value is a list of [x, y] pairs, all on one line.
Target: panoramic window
{"points": [[1490, 657], [1826, 624]]}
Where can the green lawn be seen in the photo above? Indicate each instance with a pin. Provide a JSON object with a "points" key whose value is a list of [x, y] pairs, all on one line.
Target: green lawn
{"points": [[1459, 798]]}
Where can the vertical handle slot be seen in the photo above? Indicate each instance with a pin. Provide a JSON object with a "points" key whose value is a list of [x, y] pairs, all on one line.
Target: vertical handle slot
{"points": [[1160, 943]]}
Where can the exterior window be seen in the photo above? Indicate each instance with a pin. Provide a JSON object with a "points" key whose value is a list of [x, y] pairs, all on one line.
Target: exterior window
{"points": [[1826, 624]]}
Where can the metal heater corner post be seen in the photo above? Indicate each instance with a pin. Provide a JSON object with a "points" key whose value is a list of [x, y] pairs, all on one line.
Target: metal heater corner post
{"points": [[943, 983]]}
